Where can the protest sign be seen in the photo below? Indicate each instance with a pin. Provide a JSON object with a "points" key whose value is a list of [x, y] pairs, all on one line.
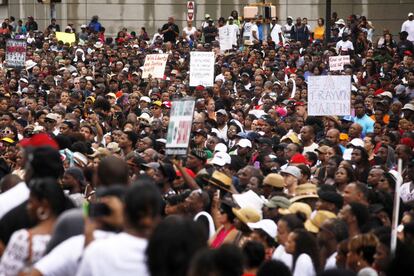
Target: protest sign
{"points": [[336, 63], [329, 95], [15, 53], [66, 37], [155, 66], [226, 38], [202, 69], [179, 127]]}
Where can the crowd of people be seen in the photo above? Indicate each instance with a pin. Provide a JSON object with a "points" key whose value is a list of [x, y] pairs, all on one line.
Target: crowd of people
{"points": [[88, 189]]}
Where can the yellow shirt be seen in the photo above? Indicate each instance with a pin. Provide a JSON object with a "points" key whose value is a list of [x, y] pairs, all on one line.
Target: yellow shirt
{"points": [[318, 32]]}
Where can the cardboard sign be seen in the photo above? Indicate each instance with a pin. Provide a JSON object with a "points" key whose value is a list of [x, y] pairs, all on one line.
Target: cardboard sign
{"points": [[179, 127], [15, 53], [225, 38], [202, 69], [336, 63], [329, 95], [66, 37], [155, 66]]}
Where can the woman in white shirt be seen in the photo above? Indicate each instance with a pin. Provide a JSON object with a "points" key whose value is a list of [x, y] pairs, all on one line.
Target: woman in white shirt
{"points": [[27, 246], [189, 30], [304, 249]]}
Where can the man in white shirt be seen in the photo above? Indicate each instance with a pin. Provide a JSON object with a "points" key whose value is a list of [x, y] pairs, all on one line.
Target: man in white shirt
{"points": [[247, 29], [276, 31], [408, 26], [287, 28], [124, 253], [235, 31], [344, 45]]}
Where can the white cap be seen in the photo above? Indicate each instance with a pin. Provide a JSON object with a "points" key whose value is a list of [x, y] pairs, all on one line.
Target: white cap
{"points": [[357, 142], [145, 99], [80, 159], [267, 225], [220, 147], [386, 94], [340, 22], [83, 26], [245, 143], [221, 159], [410, 14], [53, 116], [292, 170], [408, 106]]}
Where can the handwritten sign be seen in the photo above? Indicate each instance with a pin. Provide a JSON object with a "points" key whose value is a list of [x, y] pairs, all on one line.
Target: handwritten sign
{"points": [[202, 69], [329, 95], [66, 37], [15, 53], [336, 63], [226, 38], [179, 127], [155, 66]]}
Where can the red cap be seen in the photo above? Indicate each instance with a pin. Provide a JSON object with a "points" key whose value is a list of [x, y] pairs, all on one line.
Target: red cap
{"points": [[39, 140], [408, 53], [190, 172], [379, 91], [167, 104], [299, 159], [407, 141], [299, 104], [200, 88]]}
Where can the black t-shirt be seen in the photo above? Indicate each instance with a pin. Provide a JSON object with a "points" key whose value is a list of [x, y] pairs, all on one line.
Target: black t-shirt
{"points": [[210, 34], [170, 35]]}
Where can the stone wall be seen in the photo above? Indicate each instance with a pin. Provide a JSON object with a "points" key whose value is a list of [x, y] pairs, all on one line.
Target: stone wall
{"points": [[133, 14]]}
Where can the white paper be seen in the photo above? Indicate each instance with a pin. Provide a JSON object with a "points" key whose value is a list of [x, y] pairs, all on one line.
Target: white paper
{"points": [[202, 68], [155, 66], [329, 96], [336, 63]]}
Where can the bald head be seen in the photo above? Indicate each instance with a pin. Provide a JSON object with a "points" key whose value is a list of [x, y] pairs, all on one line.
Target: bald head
{"points": [[355, 131], [333, 136]]}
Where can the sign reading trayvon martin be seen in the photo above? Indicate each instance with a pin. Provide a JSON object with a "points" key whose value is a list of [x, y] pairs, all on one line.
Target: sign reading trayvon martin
{"points": [[329, 95]]}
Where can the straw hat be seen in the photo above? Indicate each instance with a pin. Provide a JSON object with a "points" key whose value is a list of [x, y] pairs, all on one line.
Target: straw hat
{"points": [[247, 214], [316, 219], [221, 181], [307, 190], [297, 207], [274, 180]]}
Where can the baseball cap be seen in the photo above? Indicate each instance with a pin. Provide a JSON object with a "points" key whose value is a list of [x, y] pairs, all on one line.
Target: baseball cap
{"points": [[244, 143], [292, 170], [39, 140], [322, 149], [410, 14], [357, 142], [299, 159], [274, 180], [220, 147], [201, 132], [222, 112], [221, 159], [145, 99], [53, 116], [408, 106]]}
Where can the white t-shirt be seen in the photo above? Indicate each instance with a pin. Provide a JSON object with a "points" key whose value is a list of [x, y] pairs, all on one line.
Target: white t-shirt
{"points": [[408, 26], [235, 32], [247, 29], [310, 148], [189, 31], [281, 255], [331, 261], [304, 266], [122, 254], [344, 46], [276, 30], [65, 258], [255, 29], [13, 197]]}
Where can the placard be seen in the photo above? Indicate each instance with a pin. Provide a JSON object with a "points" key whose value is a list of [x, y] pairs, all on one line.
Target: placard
{"points": [[329, 95], [179, 127], [16, 53], [155, 66], [202, 69], [225, 38], [66, 37], [336, 63]]}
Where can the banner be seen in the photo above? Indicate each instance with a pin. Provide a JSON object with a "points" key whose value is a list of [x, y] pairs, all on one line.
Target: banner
{"points": [[329, 95], [225, 38], [66, 37], [179, 127], [202, 69], [155, 66], [336, 63], [15, 53]]}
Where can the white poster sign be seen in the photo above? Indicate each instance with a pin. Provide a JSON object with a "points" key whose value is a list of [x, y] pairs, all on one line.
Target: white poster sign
{"points": [[15, 53], [329, 95], [202, 69], [155, 66], [336, 63], [226, 38], [179, 127]]}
